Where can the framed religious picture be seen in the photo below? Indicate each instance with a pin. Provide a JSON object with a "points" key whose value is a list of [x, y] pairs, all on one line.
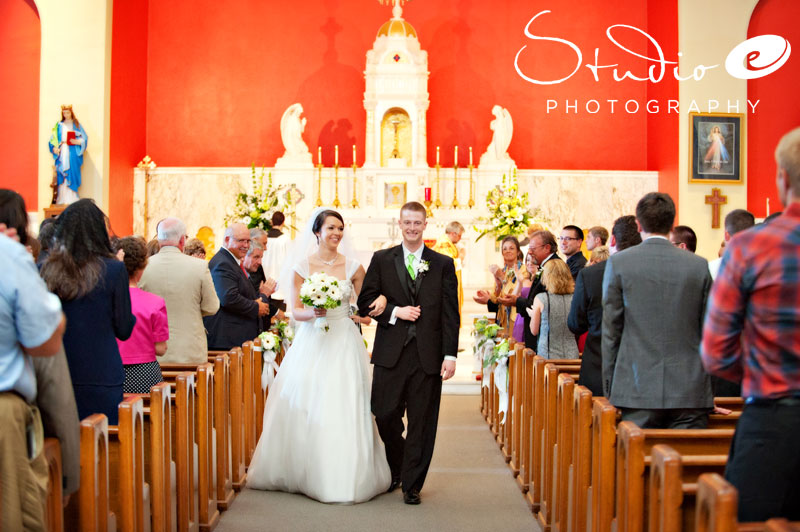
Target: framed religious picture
{"points": [[716, 148], [394, 195]]}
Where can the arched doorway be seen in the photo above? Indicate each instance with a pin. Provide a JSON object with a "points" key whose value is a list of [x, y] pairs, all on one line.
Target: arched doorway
{"points": [[396, 136]]}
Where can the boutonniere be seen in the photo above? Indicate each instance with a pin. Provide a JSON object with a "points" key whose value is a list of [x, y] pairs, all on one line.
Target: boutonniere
{"points": [[423, 266], [538, 275]]}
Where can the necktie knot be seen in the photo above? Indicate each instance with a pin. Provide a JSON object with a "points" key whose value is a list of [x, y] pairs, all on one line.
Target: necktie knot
{"points": [[410, 266]]}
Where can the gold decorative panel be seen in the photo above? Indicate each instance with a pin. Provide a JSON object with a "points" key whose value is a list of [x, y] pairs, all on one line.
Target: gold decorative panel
{"points": [[395, 136]]}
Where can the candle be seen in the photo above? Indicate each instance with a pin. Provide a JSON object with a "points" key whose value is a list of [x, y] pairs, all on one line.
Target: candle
{"points": [[336, 155], [354, 154], [427, 193], [437, 155], [470, 155], [455, 156], [319, 155], [767, 206]]}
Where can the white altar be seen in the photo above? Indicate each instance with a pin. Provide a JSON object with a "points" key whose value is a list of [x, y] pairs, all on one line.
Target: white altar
{"points": [[395, 171]]}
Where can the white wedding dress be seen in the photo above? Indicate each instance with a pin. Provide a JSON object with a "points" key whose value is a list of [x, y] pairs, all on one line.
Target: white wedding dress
{"points": [[319, 437]]}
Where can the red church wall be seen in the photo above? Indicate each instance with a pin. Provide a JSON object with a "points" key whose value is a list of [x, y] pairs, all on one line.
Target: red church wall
{"points": [[128, 108], [778, 111], [221, 74], [20, 46], [662, 127]]}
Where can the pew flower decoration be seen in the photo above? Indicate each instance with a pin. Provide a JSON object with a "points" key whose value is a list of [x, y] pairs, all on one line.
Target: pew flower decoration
{"points": [[255, 210], [321, 291], [485, 334], [500, 354], [270, 345], [285, 332]]}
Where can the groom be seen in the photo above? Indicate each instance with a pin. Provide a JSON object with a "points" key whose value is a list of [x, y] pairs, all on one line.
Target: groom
{"points": [[415, 347]]}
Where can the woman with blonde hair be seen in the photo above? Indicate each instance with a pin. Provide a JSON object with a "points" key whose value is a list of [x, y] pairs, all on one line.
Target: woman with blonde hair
{"points": [[550, 310]]}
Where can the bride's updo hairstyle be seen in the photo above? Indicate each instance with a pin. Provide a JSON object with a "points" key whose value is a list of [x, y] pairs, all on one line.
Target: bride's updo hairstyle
{"points": [[320, 220]]}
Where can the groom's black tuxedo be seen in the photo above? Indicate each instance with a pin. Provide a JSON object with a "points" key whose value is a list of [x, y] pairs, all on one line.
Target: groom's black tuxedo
{"points": [[408, 355], [435, 291]]}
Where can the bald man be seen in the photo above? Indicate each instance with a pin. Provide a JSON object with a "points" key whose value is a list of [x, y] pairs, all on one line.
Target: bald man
{"points": [[240, 306]]}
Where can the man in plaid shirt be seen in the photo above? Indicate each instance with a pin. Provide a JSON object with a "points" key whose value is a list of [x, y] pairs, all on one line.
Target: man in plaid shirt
{"points": [[752, 335]]}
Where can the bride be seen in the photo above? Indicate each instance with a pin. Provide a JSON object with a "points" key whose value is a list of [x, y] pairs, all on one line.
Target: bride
{"points": [[319, 436]]}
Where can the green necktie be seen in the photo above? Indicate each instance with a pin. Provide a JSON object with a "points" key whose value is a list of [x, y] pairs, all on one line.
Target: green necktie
{"points": [[410, 266]]}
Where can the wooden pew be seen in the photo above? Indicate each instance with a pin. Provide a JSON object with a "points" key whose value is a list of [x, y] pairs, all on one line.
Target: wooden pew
{"points": [[548, 437], [161, 467], [54, 509], [248, 402], [184, 448], [600, 511], [224, 487], [237, 444], [703, 450], [526, 420], [565, 402], [130, 493], [92, 501], [208, 512], [581, 463], [534, 495], [260, 395]]}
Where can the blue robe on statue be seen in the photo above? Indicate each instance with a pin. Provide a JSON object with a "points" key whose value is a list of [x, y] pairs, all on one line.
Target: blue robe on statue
{"points": [[68, 166]]}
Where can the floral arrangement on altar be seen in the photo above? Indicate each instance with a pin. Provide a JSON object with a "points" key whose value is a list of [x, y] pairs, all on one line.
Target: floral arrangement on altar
{"points": [[509, 213], [255, 210], [320, 290]]}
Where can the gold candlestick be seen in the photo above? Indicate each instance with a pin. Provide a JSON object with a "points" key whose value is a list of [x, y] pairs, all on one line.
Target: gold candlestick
{"points": [[471, 202], [318, 203], [454, 205], [354, 203], [336, 202], [437, 202]]}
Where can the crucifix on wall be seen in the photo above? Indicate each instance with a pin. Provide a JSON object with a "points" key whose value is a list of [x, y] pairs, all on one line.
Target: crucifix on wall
{"points": [[716, 200]]}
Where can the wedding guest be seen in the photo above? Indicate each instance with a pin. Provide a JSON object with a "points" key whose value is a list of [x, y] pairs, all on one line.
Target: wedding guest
{"points": [[571, 239], [185, 284], [596, 236], [47, 229], [264, 288], [195, 248], [506, 279], [524, 289], [93, 287], [735, 221], [150, 335], [751, 335], [240, 309], [586, 311], [599, 254], [683, 236], [550, 311], [153, 247], [31, 327], [654, 297]]}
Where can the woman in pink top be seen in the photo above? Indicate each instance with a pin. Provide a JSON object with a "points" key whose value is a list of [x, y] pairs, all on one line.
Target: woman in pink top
{"points": [[150, 335]]}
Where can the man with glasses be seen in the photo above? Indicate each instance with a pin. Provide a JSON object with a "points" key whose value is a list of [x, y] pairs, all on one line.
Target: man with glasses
{"points": [[543, 248], [240, 306], [571, 239]]}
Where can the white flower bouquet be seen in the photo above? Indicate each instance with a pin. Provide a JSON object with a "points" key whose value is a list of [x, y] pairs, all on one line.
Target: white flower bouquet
{"points": [[320, 290], [270, 345]]}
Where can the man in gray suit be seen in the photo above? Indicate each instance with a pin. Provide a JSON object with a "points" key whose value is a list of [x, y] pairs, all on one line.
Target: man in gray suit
{"points": [[186, 286], [654, 298]]}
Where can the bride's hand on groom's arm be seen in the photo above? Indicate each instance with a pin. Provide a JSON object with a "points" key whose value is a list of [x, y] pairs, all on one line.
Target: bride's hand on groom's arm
{"points": [[378, 306], [448, 369], [407, 313]]}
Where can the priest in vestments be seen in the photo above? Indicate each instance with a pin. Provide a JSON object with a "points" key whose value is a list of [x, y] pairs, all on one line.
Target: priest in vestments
{"points": [[446, 245]]}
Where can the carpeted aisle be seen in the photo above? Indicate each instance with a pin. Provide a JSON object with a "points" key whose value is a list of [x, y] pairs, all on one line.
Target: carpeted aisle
{"points": [[468, 488]]}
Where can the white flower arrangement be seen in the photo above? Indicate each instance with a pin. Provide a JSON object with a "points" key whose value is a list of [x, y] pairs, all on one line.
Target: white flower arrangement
{"points": [[423, 266], [509, 214], [320, 290], [269, 341], [270, 345]]}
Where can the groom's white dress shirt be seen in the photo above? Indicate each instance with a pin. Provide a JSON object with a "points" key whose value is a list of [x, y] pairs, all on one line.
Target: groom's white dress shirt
{"points": [[417, 259]]}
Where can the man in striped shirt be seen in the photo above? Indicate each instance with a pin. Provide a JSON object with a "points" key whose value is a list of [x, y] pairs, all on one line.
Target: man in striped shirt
{"points": [[752, 335]]}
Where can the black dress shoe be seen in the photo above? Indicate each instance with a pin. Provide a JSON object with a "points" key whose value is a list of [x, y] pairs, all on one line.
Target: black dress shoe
{"points": [[394, 485], [411, 497]]}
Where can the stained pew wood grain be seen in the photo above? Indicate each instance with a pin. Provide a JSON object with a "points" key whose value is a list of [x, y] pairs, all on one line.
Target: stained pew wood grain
{"points": [[701, 450], [130, 493], [93, 511], [581, 463], [54, 509], [601, 490], [526, 421], [237, 444]]}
